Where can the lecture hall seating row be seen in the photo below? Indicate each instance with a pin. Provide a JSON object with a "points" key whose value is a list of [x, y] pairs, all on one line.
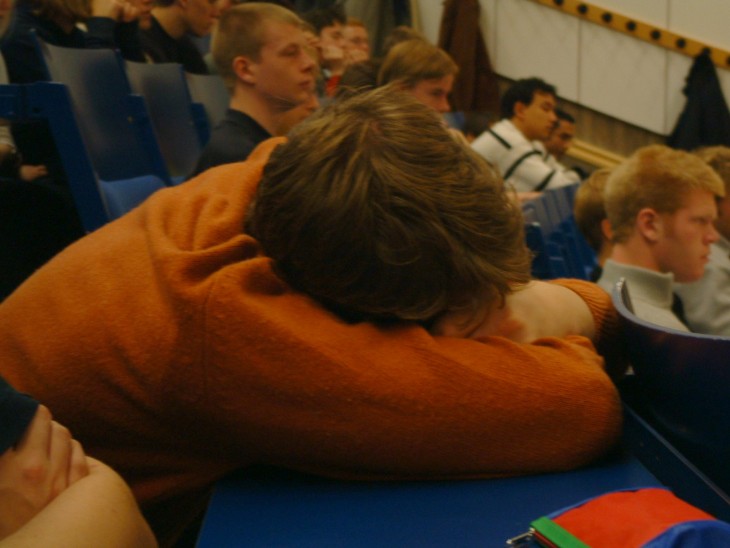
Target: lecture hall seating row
{"points": [[559, 249], [123, 130]]}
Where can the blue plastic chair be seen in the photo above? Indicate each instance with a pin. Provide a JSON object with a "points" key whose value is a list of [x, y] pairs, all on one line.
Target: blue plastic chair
{"points": [[180, 124], [210, 91], [680, 387], [97, 201], [115, 123]]}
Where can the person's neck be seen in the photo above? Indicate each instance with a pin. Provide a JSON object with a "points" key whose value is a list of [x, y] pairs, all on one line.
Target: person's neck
{"points": [[170, 21], [261, 109], [633, 253], [521, 128]]}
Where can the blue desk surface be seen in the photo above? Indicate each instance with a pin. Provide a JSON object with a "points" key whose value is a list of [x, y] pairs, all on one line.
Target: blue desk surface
{"points": [[280, 508]]}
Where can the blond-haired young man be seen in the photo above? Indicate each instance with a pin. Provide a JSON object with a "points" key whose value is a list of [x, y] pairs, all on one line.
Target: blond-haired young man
{"points": [[707, 301], [262, 54], [280, 311], [661, 204]]}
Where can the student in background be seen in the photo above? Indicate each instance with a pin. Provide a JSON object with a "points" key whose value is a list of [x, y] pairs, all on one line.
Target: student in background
{"points": [[263, 56], [329, 25], [707, 301], [560, 139], [357, 42], [590, 217], [661, 205], [167, 40], [422, 70], [280, 311], [528, 115]]}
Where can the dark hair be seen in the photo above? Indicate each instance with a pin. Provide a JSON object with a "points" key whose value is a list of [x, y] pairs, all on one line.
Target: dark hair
{"points": [[324, 17], [476, 122], [358, 78], [523, 91], [562, 115], [379, 222]]}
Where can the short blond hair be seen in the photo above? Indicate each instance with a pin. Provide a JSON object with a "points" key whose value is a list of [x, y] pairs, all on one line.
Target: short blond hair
{"points": [[379, 222], [588, 208], [657, 177], [413, 61], [718, 158], [240, 32]]}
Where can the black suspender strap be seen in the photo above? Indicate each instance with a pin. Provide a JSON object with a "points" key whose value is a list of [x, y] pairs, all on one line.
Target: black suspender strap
{"points": [[499, 138], [516, 164], [545, 181]]}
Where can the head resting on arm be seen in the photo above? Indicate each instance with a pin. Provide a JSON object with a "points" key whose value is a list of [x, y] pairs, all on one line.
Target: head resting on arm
{"points": [[373, 209]]}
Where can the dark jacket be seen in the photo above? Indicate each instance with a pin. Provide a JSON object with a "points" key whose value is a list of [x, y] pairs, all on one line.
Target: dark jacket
{"points": [[705, 119], [461, 37]]}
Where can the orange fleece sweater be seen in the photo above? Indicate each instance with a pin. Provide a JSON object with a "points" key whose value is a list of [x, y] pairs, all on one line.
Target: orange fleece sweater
{"points": [[173, 352]]}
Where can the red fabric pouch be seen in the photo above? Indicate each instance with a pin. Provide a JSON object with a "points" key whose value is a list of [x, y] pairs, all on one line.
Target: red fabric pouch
{"points": [[639, 518]]}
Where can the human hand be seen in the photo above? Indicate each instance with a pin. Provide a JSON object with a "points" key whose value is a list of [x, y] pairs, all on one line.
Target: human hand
{"points": [[119, 10], [536, 310], [29, 173], [43, 464]]}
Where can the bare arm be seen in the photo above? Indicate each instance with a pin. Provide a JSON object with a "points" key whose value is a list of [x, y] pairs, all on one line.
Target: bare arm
{"points": [[42, 465], [98, 510], [537, 310]]}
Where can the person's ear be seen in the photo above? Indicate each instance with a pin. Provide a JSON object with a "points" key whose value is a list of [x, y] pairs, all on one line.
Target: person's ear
{"points": [[519, 109], [606, 230], [244, 69], [649, 224]]}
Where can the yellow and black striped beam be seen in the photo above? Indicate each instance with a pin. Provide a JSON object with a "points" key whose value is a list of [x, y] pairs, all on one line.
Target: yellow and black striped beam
{"points": [[638, 29]]}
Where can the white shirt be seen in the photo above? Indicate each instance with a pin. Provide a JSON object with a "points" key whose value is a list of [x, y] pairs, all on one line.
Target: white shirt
{"points": [[519, 162]]}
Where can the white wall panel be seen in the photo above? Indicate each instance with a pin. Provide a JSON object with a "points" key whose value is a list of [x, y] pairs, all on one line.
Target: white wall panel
{"points": [[678, 67], [430, 14], [704, 20], [534, 40], [623, 77], [488, 23], [597, 67]]}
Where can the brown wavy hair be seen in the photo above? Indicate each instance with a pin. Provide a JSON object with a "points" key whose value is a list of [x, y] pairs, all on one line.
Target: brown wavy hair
{"points": [[413, 61], [64, 10], [373, 209]]}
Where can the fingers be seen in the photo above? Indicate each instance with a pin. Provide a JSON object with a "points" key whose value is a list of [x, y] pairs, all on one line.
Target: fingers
{"points": [[79, 465], [59, 453], [36, 436]]}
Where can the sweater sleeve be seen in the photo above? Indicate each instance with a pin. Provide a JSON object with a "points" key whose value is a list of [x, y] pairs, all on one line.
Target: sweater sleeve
{"points": [[361, 400]]}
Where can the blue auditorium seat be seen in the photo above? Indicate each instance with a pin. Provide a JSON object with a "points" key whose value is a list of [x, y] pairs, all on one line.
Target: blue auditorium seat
{"points": [[680, 387], [181, 125], [210, 91], [113, 142], [115, 123], [552, 235]]}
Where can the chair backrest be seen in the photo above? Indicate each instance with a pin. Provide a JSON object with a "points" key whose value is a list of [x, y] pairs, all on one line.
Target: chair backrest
{"points": [[553, 237], [97, 201], [680, 387], [115, 124], [181, 125], [210, 91]]}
